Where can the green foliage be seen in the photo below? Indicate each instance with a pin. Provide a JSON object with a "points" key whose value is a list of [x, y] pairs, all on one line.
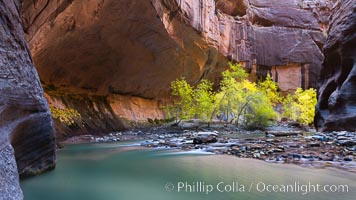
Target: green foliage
{"points": [[67, 116], [231, 98], [236, 72], [246, 103], [243, 100], [192, 101], [260, 112], [203, 100], [301, 106], [290, 107], [182, 108]]}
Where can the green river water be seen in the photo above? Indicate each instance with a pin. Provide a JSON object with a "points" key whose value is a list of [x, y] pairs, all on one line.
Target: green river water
{"points": [[118, 171]]}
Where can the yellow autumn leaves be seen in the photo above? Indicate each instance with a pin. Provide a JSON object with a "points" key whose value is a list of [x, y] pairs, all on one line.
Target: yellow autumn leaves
{"points": [[300, 106], [240, 101], [67, 116]]}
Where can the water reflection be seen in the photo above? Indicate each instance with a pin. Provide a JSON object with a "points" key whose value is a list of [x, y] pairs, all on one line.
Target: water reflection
{"points": [[125, 171]]}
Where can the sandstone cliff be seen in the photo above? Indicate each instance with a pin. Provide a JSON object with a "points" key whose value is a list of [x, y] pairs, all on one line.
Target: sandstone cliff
{"points": [[336, 109], [26, 127], [9, 182], [25, 121], [111, 52]]}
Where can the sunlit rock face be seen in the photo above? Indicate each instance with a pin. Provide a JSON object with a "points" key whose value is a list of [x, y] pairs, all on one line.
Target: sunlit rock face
{"points": [[136, 48], [103, 114], [336, 109], [26, 128], [264, 35]]}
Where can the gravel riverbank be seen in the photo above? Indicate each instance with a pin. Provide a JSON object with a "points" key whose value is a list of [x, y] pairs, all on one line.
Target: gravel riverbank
{"points": [[278, 144]]}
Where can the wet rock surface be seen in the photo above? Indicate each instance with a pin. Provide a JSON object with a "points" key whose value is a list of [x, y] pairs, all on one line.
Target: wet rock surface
{"points": [[333, 149], [318, 150], [336, 109], [112, 137]]}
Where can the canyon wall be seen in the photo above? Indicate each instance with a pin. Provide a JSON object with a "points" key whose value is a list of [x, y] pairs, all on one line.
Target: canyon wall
{"points": [[109, 52], [27, 142], [113, 61], [102, 114], [267, 36], [336, 109]]}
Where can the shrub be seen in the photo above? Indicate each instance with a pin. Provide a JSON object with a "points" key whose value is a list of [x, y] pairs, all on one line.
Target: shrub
{"points": [[260, 112], [182, 108], [203, 101], [239, 100], [243, 100], [270, 89], [67, 116], [192, 101], [301, 106]]}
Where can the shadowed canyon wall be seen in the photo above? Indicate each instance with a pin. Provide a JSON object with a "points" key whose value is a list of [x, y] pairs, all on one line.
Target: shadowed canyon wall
{"points": [[120, 56], [26, 129], [113, 61], [336, 109]]}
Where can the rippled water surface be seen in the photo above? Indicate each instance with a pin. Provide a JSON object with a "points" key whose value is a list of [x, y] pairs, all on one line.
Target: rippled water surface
{"points": [[120, 171]]}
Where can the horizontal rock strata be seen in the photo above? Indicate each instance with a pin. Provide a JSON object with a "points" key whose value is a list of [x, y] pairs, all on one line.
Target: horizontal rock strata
{"points": [[136, 48]]}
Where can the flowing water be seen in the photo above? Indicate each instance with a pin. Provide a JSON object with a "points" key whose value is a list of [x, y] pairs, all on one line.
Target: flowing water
{"points": [[120, 171]]}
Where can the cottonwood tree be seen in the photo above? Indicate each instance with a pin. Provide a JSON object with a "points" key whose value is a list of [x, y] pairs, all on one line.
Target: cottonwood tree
{"points": [[192, 102], [300, 106], [243, 100], [182, 108], [239, 100]]}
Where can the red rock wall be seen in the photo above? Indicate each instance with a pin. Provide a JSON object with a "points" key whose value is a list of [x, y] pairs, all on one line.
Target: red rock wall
{"points": [[103, 114], [136, 48], [266, 34]]}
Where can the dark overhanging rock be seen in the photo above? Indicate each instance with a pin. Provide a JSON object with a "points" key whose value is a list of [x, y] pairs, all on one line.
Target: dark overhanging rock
{"points": [[24, 112], [97, 48], [336, 108], [25, 120], [168, 39]]}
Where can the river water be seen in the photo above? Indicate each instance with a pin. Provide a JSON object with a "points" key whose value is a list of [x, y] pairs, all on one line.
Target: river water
{"points": [[121, 171]]}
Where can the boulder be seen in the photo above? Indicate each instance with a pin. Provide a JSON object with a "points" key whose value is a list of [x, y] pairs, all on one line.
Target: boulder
{"points": [[205, 137]]}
